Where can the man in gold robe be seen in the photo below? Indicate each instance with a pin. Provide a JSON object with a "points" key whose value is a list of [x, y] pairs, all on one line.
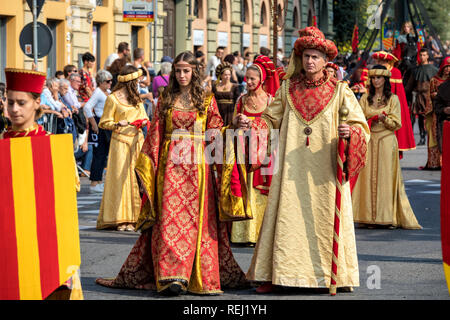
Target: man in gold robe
{"points": [[294, 248]]}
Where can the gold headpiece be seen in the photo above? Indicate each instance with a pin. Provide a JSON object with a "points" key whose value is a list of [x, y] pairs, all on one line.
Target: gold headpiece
{"points": [[379, 72], [130, 76]]}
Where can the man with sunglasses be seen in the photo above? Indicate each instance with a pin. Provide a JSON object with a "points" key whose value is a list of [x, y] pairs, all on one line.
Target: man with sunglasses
{"points": [[68, 70]]}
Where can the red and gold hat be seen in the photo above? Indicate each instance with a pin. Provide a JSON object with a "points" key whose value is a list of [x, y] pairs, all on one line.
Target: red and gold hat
{"points": [[24, 80], [269, 75], [313, 38], [281, 73], [444, 64], [385, 56], [332, 65]]}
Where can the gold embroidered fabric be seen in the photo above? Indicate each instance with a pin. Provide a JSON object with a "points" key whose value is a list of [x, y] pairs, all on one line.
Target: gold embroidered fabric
{"points": [[247, 231], [379, 195], [295, 242]]}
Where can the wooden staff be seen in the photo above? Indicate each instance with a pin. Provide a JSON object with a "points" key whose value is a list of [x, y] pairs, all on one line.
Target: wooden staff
{"points": [[343, 113]]}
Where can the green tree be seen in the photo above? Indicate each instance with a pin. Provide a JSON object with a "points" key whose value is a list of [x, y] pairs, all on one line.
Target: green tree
{"points": [[439, 13], [346, 14]]}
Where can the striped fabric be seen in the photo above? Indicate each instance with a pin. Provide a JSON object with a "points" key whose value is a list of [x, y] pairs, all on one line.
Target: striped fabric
{"points": [[39, 240]]}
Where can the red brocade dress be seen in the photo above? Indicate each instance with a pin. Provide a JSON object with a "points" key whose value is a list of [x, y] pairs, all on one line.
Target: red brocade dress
{"points": [[258, 185], [182, 238]]}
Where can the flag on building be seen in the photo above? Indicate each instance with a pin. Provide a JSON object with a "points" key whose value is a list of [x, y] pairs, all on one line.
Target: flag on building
{"points": [[39, 238]]}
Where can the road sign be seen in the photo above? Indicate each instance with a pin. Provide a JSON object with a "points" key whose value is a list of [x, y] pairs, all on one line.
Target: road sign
{"points": [[45, 42], [39, 5]]}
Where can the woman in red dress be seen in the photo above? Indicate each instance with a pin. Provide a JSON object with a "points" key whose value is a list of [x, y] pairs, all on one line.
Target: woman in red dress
{"points": [[262, 83], [183, 246]]}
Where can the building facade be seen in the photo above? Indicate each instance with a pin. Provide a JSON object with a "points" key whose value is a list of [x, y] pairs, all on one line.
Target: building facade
{"points": [[97, 26]]}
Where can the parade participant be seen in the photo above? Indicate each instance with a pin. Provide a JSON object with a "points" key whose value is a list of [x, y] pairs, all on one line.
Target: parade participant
{"points": [[225, 92], [405, 134], [24, 88], [381, 199], [121, 200], [442, 107], [295, 243], [406, 50], [419, 82], [183, 247], [436, 81], [332, 69], [262, 84]]}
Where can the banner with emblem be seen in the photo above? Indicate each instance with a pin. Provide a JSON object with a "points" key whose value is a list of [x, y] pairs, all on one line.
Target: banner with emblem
{"points": [[39, 237]]}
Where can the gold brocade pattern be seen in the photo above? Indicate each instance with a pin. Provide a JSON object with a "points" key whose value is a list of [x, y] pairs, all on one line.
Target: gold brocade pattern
{"points": [[185, 242], [247, 231], [295, 241], [379, 195], [121, 199]]}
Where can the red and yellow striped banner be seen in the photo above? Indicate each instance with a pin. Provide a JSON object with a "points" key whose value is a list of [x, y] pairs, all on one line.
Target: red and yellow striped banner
{"points": [[39, 238]]}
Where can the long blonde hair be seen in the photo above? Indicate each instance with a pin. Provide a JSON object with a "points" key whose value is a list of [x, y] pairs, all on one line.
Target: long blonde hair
{"points": [[407, 23]]}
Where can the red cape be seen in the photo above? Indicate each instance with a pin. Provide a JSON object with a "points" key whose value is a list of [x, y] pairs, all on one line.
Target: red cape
{"points": [[405, 135]]}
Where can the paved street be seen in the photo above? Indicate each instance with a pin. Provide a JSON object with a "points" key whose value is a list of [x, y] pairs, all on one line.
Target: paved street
{"points": [[393, 264]]}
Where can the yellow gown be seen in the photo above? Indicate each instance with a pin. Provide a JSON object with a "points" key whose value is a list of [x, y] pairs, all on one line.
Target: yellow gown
{"points": [[379, 195], [294, 247], [121, 199]]}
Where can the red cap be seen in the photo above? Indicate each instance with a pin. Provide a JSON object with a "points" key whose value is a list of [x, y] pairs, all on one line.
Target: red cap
{"points": [[269, 74], [444, 64], [24, 80], [383, 55], [313, 38], [332, 65]]}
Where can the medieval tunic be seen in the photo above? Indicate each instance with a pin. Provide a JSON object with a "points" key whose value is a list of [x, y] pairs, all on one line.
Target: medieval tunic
{"points": [[441, 101], [295, 242], [182, 239], [121, 200], [379, 195], [420, 83], [247, 231], [435, 83]]}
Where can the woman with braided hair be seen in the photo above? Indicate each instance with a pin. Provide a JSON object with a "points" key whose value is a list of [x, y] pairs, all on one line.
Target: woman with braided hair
{"points": [[123, 109], [225, 92]]}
